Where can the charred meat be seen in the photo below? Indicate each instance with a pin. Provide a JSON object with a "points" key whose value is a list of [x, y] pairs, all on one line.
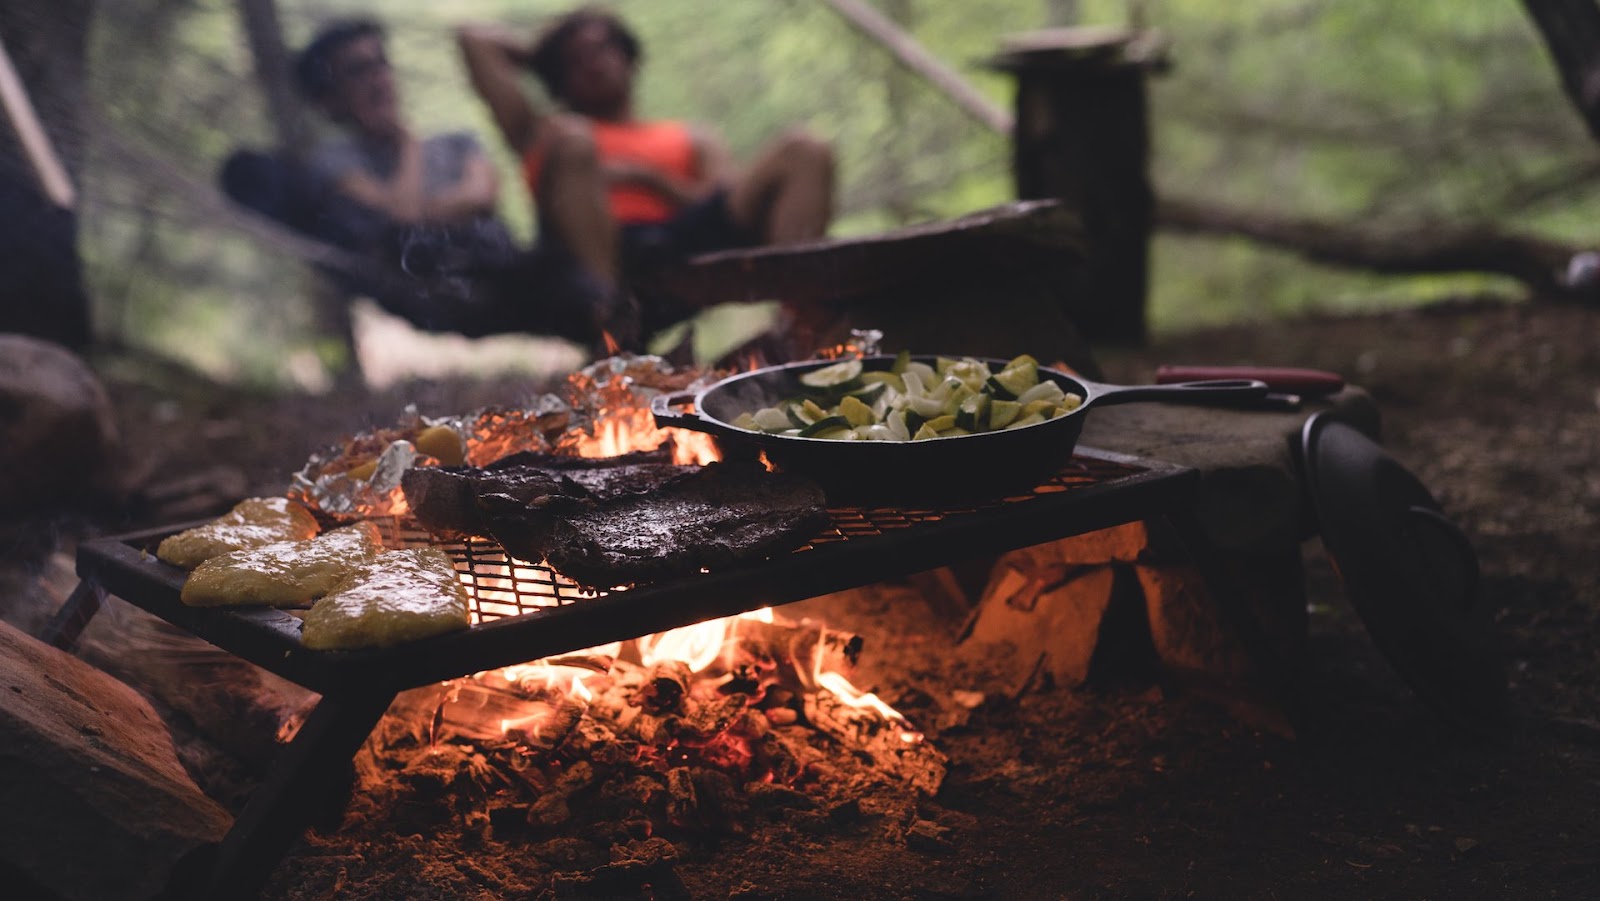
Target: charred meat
{"points": [[447, 500], [722, 514]]}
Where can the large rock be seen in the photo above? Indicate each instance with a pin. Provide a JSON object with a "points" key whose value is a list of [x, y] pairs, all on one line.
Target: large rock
{"points": [[93, 801], [58, 428]]}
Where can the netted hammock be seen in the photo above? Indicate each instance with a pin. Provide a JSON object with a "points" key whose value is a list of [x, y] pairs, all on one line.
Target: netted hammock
{"points": [[471, 279]]}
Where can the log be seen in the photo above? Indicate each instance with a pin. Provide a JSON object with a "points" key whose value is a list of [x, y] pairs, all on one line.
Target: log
{"points": [[1054, 615], [892, 746], [665, 688], [991, 283], [1537, 262], [88, 773]]}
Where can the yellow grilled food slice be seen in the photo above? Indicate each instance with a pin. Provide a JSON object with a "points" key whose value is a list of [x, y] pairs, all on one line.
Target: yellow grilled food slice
{"points": [[391, 599], [284, 573], [253, 522]]}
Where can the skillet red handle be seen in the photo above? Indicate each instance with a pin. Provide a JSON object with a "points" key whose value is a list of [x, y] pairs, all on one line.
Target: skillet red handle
{"points": [[1314, 382]]}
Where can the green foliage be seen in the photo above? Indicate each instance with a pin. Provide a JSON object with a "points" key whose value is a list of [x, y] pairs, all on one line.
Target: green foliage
{"points": [[1395, 115]]}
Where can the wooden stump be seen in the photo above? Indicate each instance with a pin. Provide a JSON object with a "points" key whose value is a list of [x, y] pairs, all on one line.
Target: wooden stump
{"points": [[1081, 135]]}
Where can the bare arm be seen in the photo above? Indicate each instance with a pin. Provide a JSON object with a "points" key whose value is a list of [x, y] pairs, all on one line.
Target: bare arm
{"points": [[473, 195], [494, 60], [400, 195]]}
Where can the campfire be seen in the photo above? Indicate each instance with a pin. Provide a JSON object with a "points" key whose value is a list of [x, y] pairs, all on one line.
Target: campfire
{"points": [[679, 730]]}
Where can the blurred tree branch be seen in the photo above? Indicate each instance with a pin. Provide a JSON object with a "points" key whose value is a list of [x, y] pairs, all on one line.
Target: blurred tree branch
{"points": [[1536, 262], [1571, 30]]}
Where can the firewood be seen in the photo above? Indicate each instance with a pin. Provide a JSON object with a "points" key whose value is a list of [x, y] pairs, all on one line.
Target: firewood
{"points": [[86, 758], [665, 688], [683, 804], [892, 747]]}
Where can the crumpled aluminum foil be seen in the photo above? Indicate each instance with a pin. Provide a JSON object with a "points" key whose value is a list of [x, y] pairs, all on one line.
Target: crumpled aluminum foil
{"points": [[325, 483], [549, 423]]}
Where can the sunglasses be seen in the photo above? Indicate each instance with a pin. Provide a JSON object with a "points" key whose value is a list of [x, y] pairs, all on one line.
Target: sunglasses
{"points": [[362, 67]]}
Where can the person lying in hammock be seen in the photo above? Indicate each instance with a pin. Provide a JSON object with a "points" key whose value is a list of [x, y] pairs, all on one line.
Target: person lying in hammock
{"points": [[623, 194], [419, 209]]}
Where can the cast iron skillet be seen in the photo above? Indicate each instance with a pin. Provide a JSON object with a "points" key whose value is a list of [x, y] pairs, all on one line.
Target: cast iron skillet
{"points": [[959, 468]]}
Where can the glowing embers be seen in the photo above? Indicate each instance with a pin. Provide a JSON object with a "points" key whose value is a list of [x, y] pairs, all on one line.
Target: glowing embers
{"points": [[747, 696]]}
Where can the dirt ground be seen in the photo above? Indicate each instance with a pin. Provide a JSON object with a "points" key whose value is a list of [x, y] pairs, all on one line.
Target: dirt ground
{"points": [[1136, 790]]}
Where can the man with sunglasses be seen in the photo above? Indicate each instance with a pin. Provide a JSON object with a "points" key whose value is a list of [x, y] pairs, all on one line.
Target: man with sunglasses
{"points": [[379, 162]]}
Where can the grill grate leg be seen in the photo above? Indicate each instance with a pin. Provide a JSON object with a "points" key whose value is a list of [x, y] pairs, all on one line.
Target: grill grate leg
{"points": [[301, 778], [68, 624]]}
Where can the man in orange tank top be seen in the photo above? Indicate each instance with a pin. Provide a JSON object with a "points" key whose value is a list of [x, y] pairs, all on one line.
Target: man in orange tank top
{"points": [[622, 195]]}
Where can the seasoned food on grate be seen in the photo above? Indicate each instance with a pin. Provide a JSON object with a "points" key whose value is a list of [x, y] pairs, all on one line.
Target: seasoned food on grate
{"points": [[252, 523], [722, 514], [446, 500], [393, 598], [284, 573]]}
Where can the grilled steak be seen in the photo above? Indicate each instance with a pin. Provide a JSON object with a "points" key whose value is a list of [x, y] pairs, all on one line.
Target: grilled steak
{"points": [[722, 514], [446, 500]]}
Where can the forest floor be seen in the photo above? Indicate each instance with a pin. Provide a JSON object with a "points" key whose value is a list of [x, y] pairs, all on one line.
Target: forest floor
{"points": [[1145, 790]]}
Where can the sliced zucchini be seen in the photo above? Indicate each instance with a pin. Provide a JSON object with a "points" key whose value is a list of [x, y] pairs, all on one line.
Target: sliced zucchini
{"points": [[869, 392], [1019, 376], [1003, 413], [1039, 407], [914, 420], [893, 380], [924, 433], [769, 419], [901, 361], [746, 421], [855, 412], [1030, 419], [994, 387], [1045, 390], [824, 425], [973, 414], [940, 423], [834, 376]]}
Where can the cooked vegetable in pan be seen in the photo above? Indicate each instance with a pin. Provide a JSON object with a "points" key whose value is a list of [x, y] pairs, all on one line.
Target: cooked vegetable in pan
{"points": [[913, 401]]}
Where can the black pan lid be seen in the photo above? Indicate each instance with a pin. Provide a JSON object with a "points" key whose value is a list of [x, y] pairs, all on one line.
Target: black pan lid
{"points": [[1410, 574]]}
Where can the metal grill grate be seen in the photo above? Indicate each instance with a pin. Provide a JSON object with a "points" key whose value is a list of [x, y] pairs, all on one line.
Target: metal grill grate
{"points": [[502, 586]]}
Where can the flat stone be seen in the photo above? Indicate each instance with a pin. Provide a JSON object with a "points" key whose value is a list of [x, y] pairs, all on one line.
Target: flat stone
{"points": [[93, 801]]}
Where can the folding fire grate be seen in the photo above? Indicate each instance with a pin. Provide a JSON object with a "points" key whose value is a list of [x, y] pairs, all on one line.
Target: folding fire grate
{"points": [[524, 611]]}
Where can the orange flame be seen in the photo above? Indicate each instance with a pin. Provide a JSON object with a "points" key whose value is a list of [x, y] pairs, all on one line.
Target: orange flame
{"points": [[612, 347]]}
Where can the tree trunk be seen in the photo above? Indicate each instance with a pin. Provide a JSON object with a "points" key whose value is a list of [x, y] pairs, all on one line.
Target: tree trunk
{"points": [[1571, 30], [44, 294], [259, 19]]}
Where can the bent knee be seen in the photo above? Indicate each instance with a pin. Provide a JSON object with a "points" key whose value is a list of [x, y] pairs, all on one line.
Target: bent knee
{"points": [[800, 144]]}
